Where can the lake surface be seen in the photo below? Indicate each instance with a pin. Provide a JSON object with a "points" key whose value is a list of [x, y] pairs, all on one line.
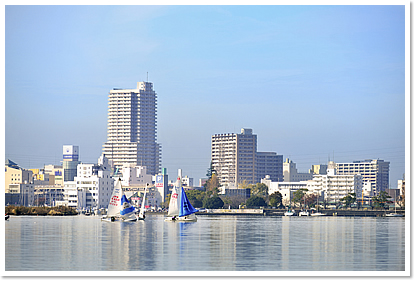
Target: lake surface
{"points": [[213, 243]]}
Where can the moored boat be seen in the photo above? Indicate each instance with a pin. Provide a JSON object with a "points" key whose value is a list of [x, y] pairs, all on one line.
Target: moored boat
{"points": [[318, 214], [394, 215], [289, 213], [303, 213]]}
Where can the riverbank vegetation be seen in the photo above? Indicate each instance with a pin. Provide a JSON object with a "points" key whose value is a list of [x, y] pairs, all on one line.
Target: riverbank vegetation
{"points": [[22, 210]]}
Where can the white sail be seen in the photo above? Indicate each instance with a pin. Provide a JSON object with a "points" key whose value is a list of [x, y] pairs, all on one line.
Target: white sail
{"points": [[141, 214], [114, 206], [175, 199]]}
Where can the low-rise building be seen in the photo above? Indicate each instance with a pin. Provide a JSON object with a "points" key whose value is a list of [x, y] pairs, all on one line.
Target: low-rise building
{"points": [[55, 174], [19, 186], [25, 191]]}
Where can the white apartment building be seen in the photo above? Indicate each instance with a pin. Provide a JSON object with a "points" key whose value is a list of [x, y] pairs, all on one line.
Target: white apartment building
{"points": [[70, 194], [134, 175], [94, 184], [374, 172], [292, 175], [132, 135], [334, 187], [235, 159]]}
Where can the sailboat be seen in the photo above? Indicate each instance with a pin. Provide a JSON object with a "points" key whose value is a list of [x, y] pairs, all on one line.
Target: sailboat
{"points": [[141, 215], [304, 212], [318, 213], [119, 208], [180, 208], [394, 214], [289, 211]]}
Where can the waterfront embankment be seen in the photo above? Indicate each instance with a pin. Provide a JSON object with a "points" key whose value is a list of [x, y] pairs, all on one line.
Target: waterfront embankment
{"points": [[22, 210], [280, 212]]}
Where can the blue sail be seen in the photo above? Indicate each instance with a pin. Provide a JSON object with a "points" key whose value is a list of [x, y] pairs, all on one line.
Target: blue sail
{"points": [[186, 207], [126, 207]]}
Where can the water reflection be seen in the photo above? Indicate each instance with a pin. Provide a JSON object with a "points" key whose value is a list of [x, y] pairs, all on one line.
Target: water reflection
{"points": [[213, 243]]}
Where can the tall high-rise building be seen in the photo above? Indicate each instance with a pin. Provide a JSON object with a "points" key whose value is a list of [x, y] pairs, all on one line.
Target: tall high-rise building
{"points": [[269, 163], [132, 123], [235, 159]]}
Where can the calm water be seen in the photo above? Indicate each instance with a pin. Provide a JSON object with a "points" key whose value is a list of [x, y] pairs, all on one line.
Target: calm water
{"points": [[213, 243]]}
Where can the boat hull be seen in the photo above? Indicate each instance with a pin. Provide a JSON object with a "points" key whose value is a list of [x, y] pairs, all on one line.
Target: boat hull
{"points": [[318, 214], [289, 213], [187, 218], [109, 218], [394, 215]]}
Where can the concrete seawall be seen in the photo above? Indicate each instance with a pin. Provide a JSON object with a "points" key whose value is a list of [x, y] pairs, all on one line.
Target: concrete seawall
{"points": [[364, 213]]}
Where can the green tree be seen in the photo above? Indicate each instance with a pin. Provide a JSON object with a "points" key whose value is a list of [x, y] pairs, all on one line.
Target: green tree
{"points": [[298, 196], [196, 197], [245, 184], [260, 189], [349, 199], [214, 202], [256, 201], [275, 199], [381, 200], [310, 200], [211, 186], [210, 170]]}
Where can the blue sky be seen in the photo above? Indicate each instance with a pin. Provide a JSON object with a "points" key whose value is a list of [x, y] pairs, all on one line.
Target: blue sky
{"points": [[313, 82]]}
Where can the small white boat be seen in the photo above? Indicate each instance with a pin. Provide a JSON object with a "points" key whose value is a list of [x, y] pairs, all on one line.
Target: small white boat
{"points": [[318, 214], [304, 213], [394, 215], [289, 213]]}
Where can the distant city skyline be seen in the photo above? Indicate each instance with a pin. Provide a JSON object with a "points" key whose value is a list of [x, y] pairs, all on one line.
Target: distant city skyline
{"points": [[314, 83]]}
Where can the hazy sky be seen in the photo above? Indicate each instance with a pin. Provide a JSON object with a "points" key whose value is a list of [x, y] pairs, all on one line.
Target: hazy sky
{"points": [[313, 82]]}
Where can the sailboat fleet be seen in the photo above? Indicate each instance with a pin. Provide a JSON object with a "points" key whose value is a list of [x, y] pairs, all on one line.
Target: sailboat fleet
{"points": [[120, 209]]}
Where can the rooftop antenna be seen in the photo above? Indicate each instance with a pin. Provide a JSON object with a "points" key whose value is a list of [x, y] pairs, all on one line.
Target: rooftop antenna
{"points": [[147, 76]]}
